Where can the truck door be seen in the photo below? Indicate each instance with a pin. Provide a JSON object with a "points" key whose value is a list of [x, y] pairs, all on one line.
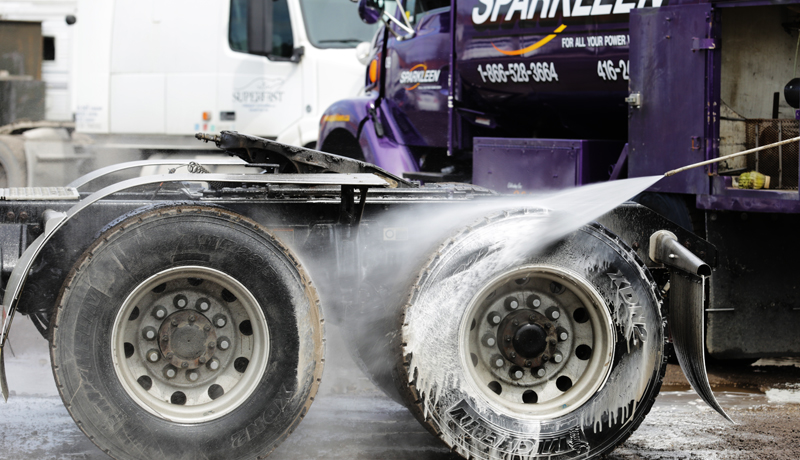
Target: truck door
{"points": [[673, 122], [257, 94], [418, 72]]}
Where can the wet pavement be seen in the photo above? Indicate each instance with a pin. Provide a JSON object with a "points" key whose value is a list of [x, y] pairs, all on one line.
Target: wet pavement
{"points": [[351, 419]]}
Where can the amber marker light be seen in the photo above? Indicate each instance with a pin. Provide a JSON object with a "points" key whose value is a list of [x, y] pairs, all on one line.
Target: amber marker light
{"points": [[373, 71], [206, 116]]}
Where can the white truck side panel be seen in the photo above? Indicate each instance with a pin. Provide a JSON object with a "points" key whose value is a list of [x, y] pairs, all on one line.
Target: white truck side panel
{"points": [[188, 96], [92, 65], [138, 103]]}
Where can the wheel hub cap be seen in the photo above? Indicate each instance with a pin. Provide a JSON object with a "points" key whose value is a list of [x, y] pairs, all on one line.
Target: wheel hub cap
{"points": [[526, 338], [187, 339]]}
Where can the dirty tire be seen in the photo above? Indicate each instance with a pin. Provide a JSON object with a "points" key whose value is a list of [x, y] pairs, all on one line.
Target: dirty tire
{"points": [[187, 332], [487, 365]]}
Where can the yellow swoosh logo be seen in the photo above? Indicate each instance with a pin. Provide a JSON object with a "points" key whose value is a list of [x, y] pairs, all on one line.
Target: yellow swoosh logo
{"points": [[536, 45], [424, 68]]}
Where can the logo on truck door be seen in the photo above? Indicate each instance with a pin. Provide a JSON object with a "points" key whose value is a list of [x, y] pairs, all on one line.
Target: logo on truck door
{"points": [[260, 94], [417, 75]]}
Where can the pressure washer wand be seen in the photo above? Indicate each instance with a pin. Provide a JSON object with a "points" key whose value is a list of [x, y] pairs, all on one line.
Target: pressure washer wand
{"points": [[715, 160]]}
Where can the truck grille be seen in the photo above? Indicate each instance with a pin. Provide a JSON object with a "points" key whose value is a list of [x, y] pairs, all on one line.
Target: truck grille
{"points": [[780, 163]]}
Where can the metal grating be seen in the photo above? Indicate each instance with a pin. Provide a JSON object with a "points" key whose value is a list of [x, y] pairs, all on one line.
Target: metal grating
{"points": [[780, 163]]}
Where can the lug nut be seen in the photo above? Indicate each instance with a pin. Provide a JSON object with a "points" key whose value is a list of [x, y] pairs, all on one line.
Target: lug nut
{"points": [[180, 301], [153, 356], [540, 372], [498, 361], [149, 333], [220, 320], [212, 345], [528, 364], [517, 374], [159, 312], [170, 372], [511, 303], [489, 340], [184, 364], [213, 364], [192, 376], [494, 318], [557, 358], [553, 313], [223, 343], [562, 334], [533, 301], [203, 304], [545, 357]]}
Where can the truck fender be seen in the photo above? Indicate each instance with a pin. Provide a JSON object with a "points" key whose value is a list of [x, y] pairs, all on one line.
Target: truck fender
{"points": [[56, 220]]}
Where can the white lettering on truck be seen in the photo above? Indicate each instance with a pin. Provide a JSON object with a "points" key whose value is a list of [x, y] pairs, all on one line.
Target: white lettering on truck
{"points": [[490, 10]]}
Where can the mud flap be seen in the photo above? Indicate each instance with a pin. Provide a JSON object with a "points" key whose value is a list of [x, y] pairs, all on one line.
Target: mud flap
{"points": [[686, 316]]}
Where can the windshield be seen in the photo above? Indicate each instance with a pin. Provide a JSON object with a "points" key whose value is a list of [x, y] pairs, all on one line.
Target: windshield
{"points": [[335, 24]]}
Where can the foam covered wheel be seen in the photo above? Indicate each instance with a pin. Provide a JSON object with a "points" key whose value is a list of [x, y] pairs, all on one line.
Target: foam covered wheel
{"points": [[187, 332], [509, 353]]}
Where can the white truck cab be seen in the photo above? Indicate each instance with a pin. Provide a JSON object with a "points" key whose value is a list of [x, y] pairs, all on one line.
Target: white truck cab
{"points": [[146, 75]]}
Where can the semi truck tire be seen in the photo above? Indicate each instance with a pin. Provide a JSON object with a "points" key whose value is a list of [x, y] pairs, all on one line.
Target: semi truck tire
{"points": [[187, 332], [511, 354]]}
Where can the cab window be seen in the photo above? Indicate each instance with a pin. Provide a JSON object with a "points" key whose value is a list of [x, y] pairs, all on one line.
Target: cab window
{"points": [[418, 8], [282, 41]]}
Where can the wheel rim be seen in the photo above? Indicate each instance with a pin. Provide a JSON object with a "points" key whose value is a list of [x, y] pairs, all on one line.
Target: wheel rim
{"points": [[537, 342], [190, 344]]}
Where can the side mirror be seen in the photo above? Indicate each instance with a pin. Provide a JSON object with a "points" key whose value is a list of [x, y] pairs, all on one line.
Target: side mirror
{"points": [[259, 27], [370, 11]]}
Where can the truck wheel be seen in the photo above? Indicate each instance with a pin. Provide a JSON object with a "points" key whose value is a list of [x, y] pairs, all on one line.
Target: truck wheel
{"points": [[508, 354], [187, 332]]}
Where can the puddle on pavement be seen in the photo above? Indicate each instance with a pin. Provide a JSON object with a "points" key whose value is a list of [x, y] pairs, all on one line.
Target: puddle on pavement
{"points": [[731, 397], [777, 362], [728, 397], [790, 395]]}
